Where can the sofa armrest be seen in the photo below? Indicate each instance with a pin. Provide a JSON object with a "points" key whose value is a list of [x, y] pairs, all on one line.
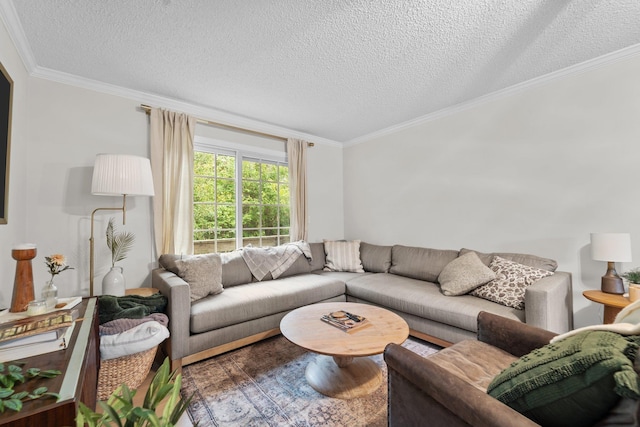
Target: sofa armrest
{"points": [[549, 303], [421, 392], [178, 309], [510, 335]]}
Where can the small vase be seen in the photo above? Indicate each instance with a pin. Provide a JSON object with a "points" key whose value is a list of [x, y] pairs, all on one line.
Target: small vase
{"points": [[113, 282], [50, 294]]}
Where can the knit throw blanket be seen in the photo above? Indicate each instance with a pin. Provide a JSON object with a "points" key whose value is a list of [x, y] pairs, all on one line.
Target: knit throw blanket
{"points": [[129, 306], [275, 260]]}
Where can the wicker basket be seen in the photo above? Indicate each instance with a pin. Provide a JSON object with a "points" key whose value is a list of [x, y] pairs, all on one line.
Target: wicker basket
{"points": [[131, 370]]}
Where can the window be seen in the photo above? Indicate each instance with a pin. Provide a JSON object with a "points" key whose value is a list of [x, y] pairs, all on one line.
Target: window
{"points": [[240, 198]]}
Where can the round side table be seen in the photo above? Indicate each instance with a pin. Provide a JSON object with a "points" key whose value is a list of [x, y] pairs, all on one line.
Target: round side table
{"points": [[613, 303]]}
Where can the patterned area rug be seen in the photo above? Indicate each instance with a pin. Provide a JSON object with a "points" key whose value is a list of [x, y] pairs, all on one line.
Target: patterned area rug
{"points": [[264, 385]]}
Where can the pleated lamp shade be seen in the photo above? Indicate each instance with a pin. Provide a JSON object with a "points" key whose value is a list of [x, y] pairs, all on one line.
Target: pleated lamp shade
{"points": [[118, 174]]}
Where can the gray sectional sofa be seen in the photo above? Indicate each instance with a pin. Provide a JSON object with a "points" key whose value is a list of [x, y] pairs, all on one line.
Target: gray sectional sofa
{"points": [[400, 278]]}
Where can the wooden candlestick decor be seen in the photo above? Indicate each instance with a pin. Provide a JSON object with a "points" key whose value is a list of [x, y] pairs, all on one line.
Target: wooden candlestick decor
{"points": [[23, 292]]}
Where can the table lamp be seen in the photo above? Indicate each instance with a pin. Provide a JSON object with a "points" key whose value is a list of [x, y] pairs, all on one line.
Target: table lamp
{"points": [[612, 248], [118, 175]]}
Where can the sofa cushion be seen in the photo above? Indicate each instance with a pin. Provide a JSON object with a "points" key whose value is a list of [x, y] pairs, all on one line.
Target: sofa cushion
{"points": [[526, 259], [476, 362], [375, 258], [424, 300], [255, 300], [511, 282], [464, 274], [420, 263], [574, 381], [317, 256], [343, 255], [203, 273], [234, 270]]}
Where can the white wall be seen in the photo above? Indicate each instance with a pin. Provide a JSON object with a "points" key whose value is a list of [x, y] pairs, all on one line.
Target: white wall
{"points": [[57, 131], [534, 172]]}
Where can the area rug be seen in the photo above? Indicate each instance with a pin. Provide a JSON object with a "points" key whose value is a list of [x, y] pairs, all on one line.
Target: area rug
{"points": [[264, 385]]}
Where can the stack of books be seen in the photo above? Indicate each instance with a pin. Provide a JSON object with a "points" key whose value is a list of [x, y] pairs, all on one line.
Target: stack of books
{"points": [[344, 320], [36, 335]]}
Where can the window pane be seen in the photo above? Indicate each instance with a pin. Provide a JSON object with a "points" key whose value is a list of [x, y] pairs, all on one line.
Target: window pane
{"points": [[204, 216], [283, 175], [284, 197], [270, 216], [203, 189], [226, 217], [251, 216], [284, 217], [226, 166], [203, 163], [226, 191], [270, 193], [250, 170], [250, 192], [269, 172]]}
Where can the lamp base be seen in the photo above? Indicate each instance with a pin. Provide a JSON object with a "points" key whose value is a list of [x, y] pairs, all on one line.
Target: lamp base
{"points": [[611, 282]]}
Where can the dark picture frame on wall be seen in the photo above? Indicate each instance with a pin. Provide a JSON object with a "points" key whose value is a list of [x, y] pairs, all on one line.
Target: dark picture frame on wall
{"points": [[6, 101]]}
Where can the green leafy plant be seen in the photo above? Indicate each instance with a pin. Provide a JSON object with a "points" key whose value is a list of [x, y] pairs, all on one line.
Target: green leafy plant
{"points": [[118, 243], [10, 375], [632, 276], [119, 409]]}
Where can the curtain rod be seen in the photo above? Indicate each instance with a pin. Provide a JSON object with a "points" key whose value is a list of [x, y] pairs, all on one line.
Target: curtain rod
{"points": [[147, 110]]}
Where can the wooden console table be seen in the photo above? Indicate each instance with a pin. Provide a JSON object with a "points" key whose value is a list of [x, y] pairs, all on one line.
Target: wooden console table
{"points": [[613, 303], [79, 365]]}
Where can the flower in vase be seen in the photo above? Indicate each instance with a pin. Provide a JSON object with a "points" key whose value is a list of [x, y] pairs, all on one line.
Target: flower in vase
{"points": [[57, 263]]}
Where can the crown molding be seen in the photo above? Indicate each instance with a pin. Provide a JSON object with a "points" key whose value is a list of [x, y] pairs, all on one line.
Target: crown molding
{"points": [[16, 33], [177, 105], [573, 70]]}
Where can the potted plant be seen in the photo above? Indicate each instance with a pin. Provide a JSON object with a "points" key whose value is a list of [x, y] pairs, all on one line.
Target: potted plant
{"points": [[119, 409], [633, 276], [119, 243]]}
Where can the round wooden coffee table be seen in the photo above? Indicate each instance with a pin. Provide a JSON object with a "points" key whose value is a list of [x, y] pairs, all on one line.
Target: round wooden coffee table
{"points": [[341, 369]]}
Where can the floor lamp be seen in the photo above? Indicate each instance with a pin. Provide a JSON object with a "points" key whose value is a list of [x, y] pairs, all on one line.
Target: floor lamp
{"points": [[612, 248], [118, 175]]}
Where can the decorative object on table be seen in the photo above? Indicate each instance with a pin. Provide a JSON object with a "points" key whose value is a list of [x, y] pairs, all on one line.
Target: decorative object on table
{"points": [[12, 374], [56, 263], [612, 248], [23, 284], [33, 325], [633, 276], [10, 352], [119, 244], [344, 320], [118, 175], [120, 407]]}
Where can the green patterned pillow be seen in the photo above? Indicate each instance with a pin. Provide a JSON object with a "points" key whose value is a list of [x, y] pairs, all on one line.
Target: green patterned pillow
{"points": [[572, 382]]}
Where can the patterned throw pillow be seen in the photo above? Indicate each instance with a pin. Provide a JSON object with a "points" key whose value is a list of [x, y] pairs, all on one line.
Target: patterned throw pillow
{"points": [[464, 274], [343, 255], [511, 280], [203, 273]]}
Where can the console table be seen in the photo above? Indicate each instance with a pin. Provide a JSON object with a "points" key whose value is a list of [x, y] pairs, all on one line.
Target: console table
{"points": [[79, 365]]}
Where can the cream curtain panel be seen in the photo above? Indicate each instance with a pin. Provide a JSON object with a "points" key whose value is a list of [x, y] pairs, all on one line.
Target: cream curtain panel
{"points": [[171, 140], [297, 155]]}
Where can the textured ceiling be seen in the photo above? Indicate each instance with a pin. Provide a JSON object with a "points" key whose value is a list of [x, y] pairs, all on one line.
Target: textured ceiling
{"points": [[337, 69]]}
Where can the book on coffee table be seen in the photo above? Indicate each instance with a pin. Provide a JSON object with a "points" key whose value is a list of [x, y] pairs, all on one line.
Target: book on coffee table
{"points": [[344, 320]]}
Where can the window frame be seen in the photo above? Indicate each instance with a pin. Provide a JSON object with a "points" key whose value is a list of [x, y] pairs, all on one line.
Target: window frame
{"points": [[241, 152]]}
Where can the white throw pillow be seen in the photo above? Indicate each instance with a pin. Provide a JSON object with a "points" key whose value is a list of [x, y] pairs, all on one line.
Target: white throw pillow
{"points": [[464, 274], [139, 338], [343, 255]]}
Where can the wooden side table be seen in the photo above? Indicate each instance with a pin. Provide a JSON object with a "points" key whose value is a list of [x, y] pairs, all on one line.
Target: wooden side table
{"points": [[613, 303]]}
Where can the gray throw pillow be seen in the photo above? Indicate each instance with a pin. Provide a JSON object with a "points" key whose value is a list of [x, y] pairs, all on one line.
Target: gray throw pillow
{"points": [[343, 255], [203, 273], [464, 274]]}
